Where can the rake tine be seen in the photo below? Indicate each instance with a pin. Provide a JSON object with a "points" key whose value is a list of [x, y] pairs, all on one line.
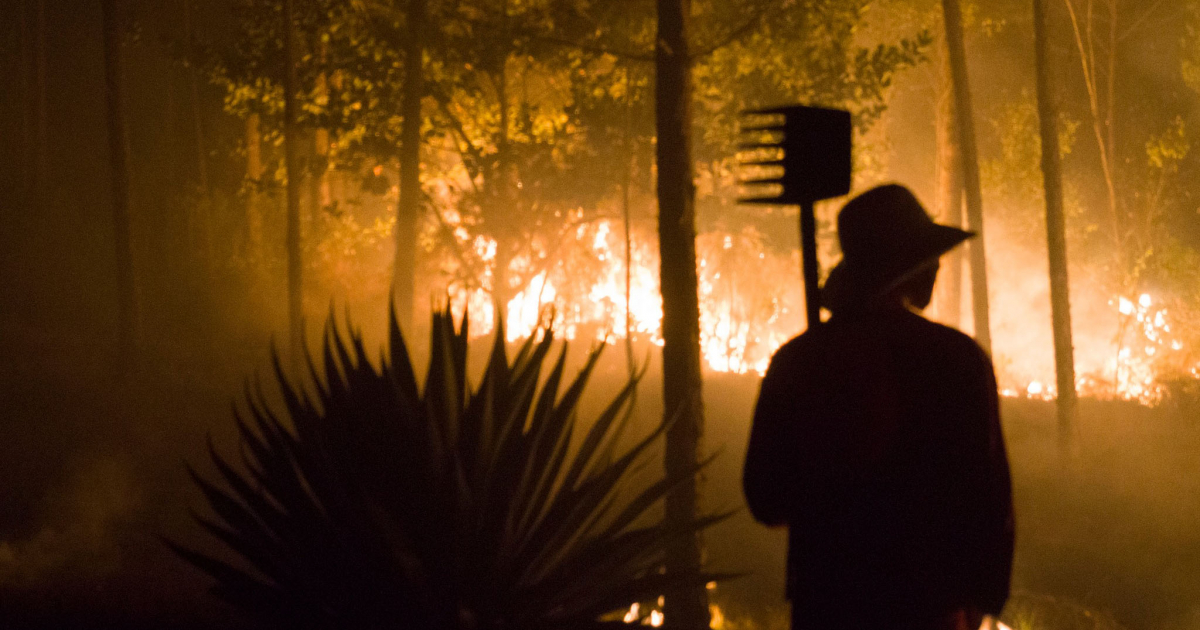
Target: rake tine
{"points": [[768, 111], [760, 181], [772, 201], [750, 146], [763, 163], [773, 127]]}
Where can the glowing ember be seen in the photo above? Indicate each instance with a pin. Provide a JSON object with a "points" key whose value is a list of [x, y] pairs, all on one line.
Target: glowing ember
{"points": [[1146, 349], [716, 617], [632, 616], [656, 617]]}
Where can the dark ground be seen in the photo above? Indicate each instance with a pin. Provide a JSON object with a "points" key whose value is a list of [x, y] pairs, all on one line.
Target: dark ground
{"points": [[91, 474]]}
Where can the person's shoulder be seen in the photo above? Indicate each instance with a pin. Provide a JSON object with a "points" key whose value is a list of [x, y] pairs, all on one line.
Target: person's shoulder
{"points": [[950, 341], [803, 343], [795, 350]]}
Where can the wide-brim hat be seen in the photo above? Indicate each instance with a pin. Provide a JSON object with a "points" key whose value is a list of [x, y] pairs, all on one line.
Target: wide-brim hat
{"points": [[886, 237]]}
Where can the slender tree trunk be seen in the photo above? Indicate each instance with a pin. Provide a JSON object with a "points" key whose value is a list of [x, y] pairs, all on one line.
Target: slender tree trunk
{"points": [[317, 163], [32, 34], [949, 190], [204, 210], [254, 173], [970, 169], [291, 142], [41, 166], [408, 207], [630, 363], [194, 89], [25, 35], [627, 216], [1056, 237], [1102, 113], [314, 178], [1112, 74], [118, 148], [1110, 126], [1103, 125], [505, 199], [682, 402]]}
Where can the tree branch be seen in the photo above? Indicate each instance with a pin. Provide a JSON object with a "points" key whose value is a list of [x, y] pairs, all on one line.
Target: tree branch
{"points": [[642, 57], [443, 105], [740, 32], [1138, 22], [448, 234]]}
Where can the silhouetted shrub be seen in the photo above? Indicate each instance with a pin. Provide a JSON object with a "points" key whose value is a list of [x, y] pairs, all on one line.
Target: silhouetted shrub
{"points": [[378, 504]]}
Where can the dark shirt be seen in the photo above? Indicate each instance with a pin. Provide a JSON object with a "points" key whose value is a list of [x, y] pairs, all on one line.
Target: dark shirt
{"points": [[877, 441]]}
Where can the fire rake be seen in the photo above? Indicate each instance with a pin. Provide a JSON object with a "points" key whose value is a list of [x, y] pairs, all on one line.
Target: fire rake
{"points": [[811, 148]]}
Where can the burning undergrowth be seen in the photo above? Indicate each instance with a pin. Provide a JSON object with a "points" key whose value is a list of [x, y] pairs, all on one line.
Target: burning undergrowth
{"points": [[1127, 347]]}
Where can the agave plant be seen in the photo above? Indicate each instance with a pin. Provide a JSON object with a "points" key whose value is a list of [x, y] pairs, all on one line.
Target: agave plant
{"points": [[375, 503]]}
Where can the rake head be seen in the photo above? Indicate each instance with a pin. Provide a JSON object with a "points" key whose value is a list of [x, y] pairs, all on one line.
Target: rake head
{"points": [[804, 151]]}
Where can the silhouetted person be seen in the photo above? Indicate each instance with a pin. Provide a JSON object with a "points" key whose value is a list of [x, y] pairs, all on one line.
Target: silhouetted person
{"points": [[876, 441]]}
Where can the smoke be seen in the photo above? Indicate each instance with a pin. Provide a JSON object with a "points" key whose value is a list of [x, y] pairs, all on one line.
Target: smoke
{"points": [[80, 528]]}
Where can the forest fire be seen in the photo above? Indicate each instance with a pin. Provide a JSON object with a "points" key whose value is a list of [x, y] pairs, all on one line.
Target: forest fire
{"points": [[1145, 352], [739, 328], [191, 188], [747, 313], [655, 618]]}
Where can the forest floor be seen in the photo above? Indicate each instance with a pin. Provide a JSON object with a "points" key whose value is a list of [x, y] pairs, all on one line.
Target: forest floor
{"points": [[92, 476]]}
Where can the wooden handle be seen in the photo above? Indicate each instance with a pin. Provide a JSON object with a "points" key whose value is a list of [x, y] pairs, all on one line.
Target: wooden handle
{"points": [[810, 266]]}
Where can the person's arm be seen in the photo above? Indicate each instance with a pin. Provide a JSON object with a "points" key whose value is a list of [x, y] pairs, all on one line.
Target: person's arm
{"points": [[766, 479], [989, 510]]}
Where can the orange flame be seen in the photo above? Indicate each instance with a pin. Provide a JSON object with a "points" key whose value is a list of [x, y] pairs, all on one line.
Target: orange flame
{"points": [[751, 302]]}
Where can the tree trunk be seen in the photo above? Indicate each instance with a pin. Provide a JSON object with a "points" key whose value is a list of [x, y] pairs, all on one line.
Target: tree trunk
{"points": [[970, 169], [317, 161], [204, 210], [1102, 114], [291, 144], [31, 27], [408, 206], [25, 37], [627, 222], [127, 333], [504, 199], [626, 215], [1056, 239], [254, 173], [682, 403], [40, 120], [949, 190], [194, 89], [313, 166]]}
